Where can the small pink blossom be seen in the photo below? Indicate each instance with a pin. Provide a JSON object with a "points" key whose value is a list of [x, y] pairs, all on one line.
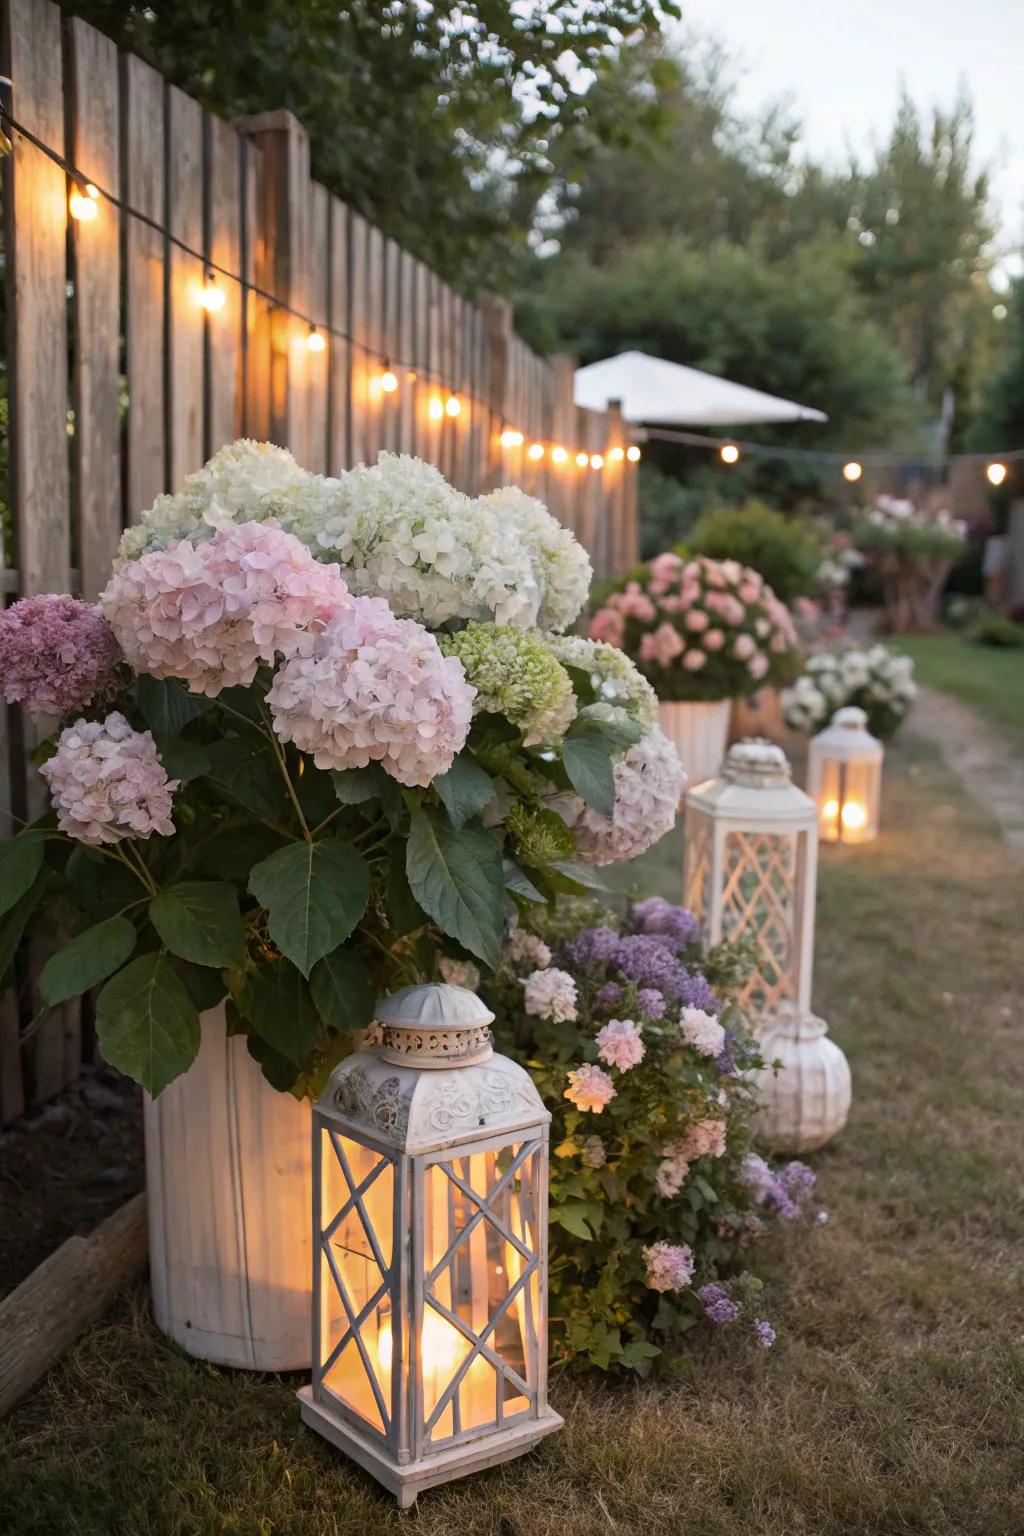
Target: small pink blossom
{"points": [[749, 590], [743, 647], [727, 607], [590, 1088], [526, 949], [696, 620], [669, 1266], [694, 660], [607, 625], [459, 973], [666, 567], [619, 1044], [672, 1172], [757, 666], [704, 1138], [107, 782], [57, 655], [714, 640]]}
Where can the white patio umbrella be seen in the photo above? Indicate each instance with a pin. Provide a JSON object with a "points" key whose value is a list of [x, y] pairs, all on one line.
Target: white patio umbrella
{"points": [[651, 389]]}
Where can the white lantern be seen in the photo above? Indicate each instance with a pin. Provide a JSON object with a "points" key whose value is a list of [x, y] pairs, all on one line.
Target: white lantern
{"points": [[750, 871], [844, 778], [430, 1249]]}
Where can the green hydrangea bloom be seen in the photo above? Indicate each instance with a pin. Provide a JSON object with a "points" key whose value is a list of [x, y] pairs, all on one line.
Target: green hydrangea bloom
{"points": [[614, 677], [516, 675]]}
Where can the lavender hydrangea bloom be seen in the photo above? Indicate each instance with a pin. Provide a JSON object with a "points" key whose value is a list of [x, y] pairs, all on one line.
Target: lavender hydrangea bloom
{"points": [[651, 1002], [723, 1311], [642, 958], [57, 655], [725, 1061], [798, 1178], [675, 925], [765, 1333], [590, 951], [608, 996]]}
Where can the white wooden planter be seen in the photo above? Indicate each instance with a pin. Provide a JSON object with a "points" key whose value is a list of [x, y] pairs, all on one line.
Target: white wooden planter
{"points": [[699, 733], [229, 1174]]}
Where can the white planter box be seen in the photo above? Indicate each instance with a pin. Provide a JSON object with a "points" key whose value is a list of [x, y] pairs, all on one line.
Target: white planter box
{"points": [[229, 1175], [699, 733]]}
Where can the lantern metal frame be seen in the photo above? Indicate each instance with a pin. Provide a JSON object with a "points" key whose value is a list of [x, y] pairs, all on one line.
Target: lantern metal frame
{"points": [[431, 1094], [844, 770], [750, 867]]}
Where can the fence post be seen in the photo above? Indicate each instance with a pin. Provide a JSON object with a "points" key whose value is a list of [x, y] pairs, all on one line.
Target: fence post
{"points": [[282, 269]]}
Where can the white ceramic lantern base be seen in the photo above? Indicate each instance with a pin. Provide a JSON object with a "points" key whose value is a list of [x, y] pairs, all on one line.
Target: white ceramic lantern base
{"points": [[808, 1101], [415, 1477]]}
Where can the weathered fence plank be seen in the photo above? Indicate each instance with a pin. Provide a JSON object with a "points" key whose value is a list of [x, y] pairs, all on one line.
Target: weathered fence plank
{"points": [[339, 410], [225, 333], [145, 255], [318, 362], [185, 281]]}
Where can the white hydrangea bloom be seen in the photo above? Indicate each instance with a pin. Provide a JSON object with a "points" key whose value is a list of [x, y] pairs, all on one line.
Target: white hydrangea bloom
{"points": [[562, 566], [649, 779], [614, 676]]}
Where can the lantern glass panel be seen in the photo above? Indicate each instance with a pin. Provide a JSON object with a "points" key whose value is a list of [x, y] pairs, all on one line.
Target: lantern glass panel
{"points": [[848, 800], [480, 1337], [760, 875], [356, 1246]]}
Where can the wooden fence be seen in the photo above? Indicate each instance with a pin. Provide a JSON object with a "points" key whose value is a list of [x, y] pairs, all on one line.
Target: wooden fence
{"points": [[121, 380]]}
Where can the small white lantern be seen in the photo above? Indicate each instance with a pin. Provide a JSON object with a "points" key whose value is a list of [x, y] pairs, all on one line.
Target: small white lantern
{"points": [[430, 1249], [750, 871], [844, 778]]}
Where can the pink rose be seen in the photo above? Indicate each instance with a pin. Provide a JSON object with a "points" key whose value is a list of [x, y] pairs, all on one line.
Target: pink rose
{"points": [[757, 666], [696, 620], [666, 567], [714, 640], [743, 647], [668, 643], [607, 625], [749, 592], [694, 660]]}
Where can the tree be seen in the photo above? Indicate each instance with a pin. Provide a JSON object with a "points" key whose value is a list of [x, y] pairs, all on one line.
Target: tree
{"points": [[999, 423], [436, 122]]}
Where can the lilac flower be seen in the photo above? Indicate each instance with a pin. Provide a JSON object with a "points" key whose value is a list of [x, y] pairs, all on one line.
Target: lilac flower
{"points": [[765, 1333], [798, 1178], [719, 1307], [695, 992], [590, 951], [57, 654], [607, 997], [644, 959], [651, 1002], [675, 925], [725, 1061]]}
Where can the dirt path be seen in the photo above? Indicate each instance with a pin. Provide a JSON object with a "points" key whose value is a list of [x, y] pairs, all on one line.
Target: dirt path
{"points": [[980, 754]]}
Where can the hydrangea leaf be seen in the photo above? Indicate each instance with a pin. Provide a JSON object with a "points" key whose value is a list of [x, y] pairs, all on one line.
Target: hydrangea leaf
{"points": [[21, 859], [90, 958], [519, 883], [248, 776], [588, 762], [457, 878], [314, 894], [276, 1002], [166, 705], [183, 759], [200, 921], [465, 789], [279, 1072], [343, 990], [146, 1023]]}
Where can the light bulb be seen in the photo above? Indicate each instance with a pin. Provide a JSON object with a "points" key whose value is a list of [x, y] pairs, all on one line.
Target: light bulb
{"points": [[852, 471], [995, 473], [535, 451], [83, 204], [435, 410], [388, 381], [559, 455], [633, 454], [830, 810], [854, 816], [582, 460], [316, 341], [453, 406], [729, 453], [617, 455], [510, 438], [212, 298], [597, 461]]}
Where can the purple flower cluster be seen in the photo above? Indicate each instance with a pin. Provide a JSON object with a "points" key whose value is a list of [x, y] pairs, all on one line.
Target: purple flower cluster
{"points": [[607, 996], [719, 1307], [676, 925], [643, 958], [590, 951], [784, 1192], [765, 1333], [651, 1002], [57, 655]]}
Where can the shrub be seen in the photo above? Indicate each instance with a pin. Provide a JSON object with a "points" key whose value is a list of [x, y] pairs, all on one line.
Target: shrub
{"points": [[786, 551], [634, 1039], [996, 629]]}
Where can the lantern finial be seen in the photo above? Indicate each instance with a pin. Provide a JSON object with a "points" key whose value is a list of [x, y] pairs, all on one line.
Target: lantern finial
{"points": [[756, 762], [850, 718]]}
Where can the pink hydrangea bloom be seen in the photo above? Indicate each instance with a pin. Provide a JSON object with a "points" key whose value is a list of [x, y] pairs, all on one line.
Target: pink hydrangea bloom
{"points": [[649, 779], [666, 567], [619, 1044], [669, 1266], [56, 654], [527, 949], [373, 688], [590, 1088], [704, 1138], [607, 625], [550, 994], [671, 1174], [702, 1031], [694, 660], [750, 588], [459, 973], [211, 612], [107, 782], [728, 607], [743, 647], [757, 666], [696, 620], [714, 640]]}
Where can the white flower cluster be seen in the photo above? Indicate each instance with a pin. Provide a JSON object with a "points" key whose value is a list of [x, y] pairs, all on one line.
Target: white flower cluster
{"points": [[649, 779], [893, 513], [875, 678], [550, 994], [562, 568], [614, 676]]}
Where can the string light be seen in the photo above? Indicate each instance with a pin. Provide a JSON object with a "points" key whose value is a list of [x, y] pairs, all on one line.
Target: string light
{"points": [[617, 455], [316, 341], [211, 298], [852, 471], [535, 452], [435, 410], [510, 438], [388, 379], [582, 460], [559, 455], [729, 453], [83, 204], [633, 454], [597, 461], [453, 406], [995, 473]]}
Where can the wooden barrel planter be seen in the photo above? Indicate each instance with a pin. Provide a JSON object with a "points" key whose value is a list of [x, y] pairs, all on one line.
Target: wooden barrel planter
{"points": [[229, 1175]]}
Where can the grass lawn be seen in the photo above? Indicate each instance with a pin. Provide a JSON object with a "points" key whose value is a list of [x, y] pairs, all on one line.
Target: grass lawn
{"points": [[990, 679], [894, 1399]]}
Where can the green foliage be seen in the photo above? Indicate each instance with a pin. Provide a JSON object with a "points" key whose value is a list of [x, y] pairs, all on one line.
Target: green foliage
{"points": [[785, 550], [1000, 419], [147, 1024], [415, 113], [455, 874], [314, 895], [199, 920], [996, 629], [21, 859], [464, 790], [90, 958]]}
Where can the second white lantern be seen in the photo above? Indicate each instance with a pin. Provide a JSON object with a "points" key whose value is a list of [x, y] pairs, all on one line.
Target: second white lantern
{"points": [[844, 778]]}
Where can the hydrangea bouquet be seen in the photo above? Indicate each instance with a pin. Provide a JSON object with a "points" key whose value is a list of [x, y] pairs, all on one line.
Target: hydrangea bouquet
{"points": [[913, 550], [318, 736], [633, 1036], [700, 629], [875, 679]]}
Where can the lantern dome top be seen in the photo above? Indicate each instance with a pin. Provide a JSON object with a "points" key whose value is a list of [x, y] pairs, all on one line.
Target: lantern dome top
{"points": [[851, 718], [433, 1006], [756, 762], [847, 739]]}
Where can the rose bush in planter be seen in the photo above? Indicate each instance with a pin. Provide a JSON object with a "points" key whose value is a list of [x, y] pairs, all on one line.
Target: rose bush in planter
{"points": [[703, 632]]}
